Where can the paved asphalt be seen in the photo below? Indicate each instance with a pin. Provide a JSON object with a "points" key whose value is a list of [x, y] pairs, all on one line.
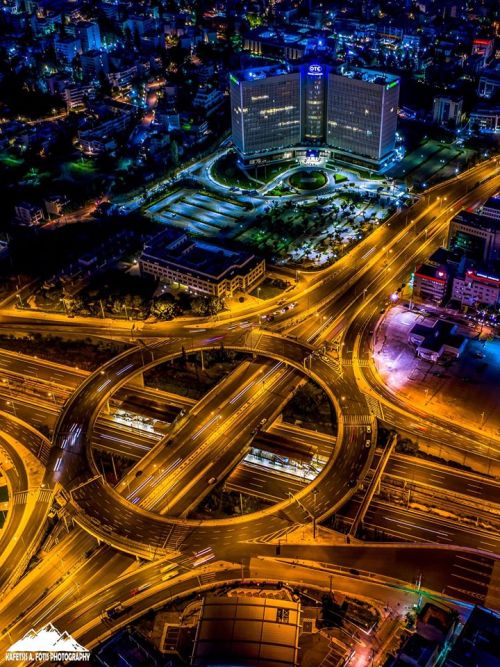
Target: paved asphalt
{"points": [[462, 574]]}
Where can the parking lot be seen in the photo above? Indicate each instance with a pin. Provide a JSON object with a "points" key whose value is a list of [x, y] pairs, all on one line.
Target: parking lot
{"points": [[429, 161], [465, 390], [197, 212]]}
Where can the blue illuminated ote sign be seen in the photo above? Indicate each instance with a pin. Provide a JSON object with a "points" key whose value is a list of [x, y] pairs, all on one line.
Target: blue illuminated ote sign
{"points": [[315, 70]]}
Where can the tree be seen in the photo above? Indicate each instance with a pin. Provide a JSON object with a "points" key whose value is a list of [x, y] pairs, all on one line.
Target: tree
{"points": [[198, 306], [163, 310]]}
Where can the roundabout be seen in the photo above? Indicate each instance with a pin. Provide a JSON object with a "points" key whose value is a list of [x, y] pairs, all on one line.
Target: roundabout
{"points": [[328, 341], [308, 179], [105, 513]]}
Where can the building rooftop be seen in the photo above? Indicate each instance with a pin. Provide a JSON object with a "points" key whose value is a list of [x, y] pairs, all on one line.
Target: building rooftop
{"points": [[256, 73], [433, 335], [491, 72], [368, 75], [215, 263], [434, 622], [487, 279], [493, 203], [258, 632], [479, 641], [437, 273], [476, 220]]}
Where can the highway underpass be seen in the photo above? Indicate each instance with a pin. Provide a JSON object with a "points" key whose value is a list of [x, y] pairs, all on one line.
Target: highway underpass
{"points": [[338, 315], [156, 535]]}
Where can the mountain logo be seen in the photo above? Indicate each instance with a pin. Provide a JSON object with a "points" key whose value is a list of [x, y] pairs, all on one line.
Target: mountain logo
{"points": [[47, 644]]}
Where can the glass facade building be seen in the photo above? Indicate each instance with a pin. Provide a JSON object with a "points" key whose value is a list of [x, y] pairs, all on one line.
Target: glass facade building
{"points": [[266, 109], [362, 112], [352, 112], [313, 82]]}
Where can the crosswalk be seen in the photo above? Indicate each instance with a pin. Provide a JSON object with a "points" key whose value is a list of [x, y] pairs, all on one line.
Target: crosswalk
{"points": [[41, 495], [176, 536], [206, 577], [360, 362], [375, 407], [276, 535], [357, 420]]}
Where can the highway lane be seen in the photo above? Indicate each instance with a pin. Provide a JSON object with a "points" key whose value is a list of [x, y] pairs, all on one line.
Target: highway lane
{"points": [[16, 475], [433, 475], [210, 438], [463, 575], [128, 522], [266, 483], [351, 303], [459, 574], [411, 525], [54, 566], [51, 378], [361, 315], [59, 582], [42, 370], [133, 442]]}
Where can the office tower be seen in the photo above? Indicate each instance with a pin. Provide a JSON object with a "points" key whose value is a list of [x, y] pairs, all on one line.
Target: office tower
{"points": [[348, 114], [265, 109], [362, 112]]}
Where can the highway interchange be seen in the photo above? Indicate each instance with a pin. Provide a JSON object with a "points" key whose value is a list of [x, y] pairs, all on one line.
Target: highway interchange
{"points": [[326, 337]]}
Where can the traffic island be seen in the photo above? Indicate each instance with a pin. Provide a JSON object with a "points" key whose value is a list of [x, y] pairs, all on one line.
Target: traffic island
{"points": [[308, 180]]}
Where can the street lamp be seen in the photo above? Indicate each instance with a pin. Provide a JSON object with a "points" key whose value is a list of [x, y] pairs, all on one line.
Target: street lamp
{"points": [[13, 407]]}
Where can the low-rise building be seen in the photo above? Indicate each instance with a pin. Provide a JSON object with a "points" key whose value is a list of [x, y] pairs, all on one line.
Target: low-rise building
{"points": [[243, 630], [431, 283], [477, 236], [433, 337], [486, 119], [107, 121], [209, 99], [54, 204], [29, 214], [489, 82], [435, 625], [123, 76], [89, 35], [484, 48], [474, 287], [93, 62], [67, 48], [478, 642], [447, 109], [174, 257], [75, 96], [491, 208]]}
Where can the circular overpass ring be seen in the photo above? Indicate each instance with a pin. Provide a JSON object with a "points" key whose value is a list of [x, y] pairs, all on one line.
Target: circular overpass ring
{"points": [[105, 513]]}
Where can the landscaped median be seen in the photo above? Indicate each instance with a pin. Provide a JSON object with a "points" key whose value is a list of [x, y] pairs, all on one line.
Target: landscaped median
{"points": [[308, 180]]}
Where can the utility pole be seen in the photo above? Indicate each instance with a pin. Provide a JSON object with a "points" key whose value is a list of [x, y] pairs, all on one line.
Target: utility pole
{"points": [[315, 493]]}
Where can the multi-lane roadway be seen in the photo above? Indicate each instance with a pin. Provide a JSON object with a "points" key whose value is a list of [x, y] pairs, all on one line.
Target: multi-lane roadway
{"points": [[337, 306]]}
